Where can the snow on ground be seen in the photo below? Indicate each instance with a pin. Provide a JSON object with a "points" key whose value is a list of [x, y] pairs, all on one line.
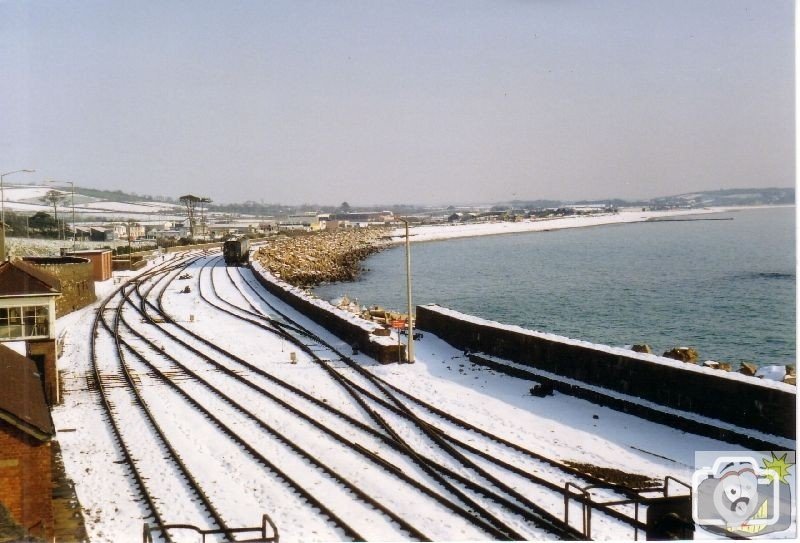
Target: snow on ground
{"points": [[91, 459], [449, 231], [30, 195], [21, 193], [560, 427], [132, 207], [51, 247]]}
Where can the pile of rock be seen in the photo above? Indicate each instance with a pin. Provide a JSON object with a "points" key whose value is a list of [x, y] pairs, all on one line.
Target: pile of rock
{"points": [[689, 355], [320, 257]]}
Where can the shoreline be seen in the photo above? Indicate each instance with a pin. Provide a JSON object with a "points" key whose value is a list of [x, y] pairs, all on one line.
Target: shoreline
{"points": [[418, 234]]}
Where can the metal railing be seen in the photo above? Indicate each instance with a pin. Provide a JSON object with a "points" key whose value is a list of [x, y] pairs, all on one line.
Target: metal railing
{"points": [[583, 496], [147, 532]]}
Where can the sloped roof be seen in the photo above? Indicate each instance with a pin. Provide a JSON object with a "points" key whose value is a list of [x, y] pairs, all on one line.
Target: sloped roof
{"points": [[18, 279], [22, 402]]}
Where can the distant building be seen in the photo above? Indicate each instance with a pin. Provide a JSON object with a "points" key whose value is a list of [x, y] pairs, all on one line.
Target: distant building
{"points": [[221, 230], [101, 262], [101, 234], [168, 234], [364, 217], [309, 221]]}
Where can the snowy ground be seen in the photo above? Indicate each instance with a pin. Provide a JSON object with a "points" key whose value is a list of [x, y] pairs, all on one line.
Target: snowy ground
{"points": [[52, 247], [449, 231], [29, 198], [559, 427]]}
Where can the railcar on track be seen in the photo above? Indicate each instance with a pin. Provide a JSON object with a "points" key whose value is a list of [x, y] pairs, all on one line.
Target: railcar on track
{"points": [[236, 251]]}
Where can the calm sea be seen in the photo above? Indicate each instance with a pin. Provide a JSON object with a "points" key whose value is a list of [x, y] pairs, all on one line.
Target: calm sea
{"points": [[726, 288]]}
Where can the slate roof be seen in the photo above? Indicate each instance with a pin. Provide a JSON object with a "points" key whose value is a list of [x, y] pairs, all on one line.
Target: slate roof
{"points": [[22, 402], [18, 279]]}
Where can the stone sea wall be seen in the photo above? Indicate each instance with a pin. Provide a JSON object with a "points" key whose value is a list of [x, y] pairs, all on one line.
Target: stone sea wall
{"points": [[748, 402], [358, 333]]}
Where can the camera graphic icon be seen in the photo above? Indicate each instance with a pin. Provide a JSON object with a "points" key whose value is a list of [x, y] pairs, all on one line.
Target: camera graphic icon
{"points": [[736, 495]]}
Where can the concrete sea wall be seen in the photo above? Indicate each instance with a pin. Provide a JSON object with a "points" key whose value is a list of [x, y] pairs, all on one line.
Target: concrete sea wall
{"points": [[747, 402], [348, 327]]}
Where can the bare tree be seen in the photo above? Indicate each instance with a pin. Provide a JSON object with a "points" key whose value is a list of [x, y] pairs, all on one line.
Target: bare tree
{"points": [[190, 201], [54, 197]]}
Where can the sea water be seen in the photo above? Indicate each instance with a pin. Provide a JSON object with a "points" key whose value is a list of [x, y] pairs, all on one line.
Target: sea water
{"points": [[724, 287]]}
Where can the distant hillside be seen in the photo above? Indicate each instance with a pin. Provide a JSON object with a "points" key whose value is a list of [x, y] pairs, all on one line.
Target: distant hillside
{"points": [[735, 197], [722, 197], [708, 198], [121, 196]]}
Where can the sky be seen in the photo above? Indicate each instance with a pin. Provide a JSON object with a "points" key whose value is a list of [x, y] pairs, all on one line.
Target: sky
{"points": [[379, 102]]}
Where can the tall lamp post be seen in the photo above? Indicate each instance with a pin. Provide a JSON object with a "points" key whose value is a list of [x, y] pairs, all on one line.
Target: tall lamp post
{"points": [[204, 200], [410, 354], [72, 185], [3, 210]]}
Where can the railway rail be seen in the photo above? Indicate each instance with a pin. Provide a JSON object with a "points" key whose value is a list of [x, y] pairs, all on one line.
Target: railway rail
{"points": [[111, 411], [424, 448]]}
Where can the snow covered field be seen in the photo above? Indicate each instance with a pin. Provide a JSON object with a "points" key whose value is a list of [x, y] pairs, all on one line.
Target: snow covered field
{"points": [[300, 432], [28, 199]]}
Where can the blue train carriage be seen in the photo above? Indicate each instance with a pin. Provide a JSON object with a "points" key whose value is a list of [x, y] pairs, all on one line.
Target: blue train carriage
{"points": [[236, 251]]}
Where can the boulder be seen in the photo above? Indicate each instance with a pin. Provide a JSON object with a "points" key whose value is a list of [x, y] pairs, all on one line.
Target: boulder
{"points": [[748, 368], [542, 390], [381, 332], [643, 348], [684, 354]]}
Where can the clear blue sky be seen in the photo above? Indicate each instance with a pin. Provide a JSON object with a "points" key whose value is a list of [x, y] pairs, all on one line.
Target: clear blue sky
{"points": [[399, 102]]}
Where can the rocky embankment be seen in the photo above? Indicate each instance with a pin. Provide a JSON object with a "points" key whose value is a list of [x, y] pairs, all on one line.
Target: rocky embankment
{"points": [[320, 257]]}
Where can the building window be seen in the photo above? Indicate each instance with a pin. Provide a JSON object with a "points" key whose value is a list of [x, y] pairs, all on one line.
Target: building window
{"points": [[24, 322]]}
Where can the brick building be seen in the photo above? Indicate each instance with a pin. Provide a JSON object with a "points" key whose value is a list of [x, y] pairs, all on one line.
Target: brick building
{"points": [[26, 431], [100, 259], [75, 277], [28, 313]]}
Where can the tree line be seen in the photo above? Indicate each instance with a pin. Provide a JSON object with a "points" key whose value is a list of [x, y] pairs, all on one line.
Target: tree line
{"points": [[38, 225]]}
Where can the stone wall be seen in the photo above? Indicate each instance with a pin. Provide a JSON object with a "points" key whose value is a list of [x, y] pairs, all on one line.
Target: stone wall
{"points": [[767, 407], [76, 276], [25, 480], [343, 328]]}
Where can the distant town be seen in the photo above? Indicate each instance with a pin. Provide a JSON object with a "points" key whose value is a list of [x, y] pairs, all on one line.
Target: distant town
{"points": [[140, 221]]}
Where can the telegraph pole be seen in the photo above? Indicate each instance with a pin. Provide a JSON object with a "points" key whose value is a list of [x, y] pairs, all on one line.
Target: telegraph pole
{"points": [[410, 354]]}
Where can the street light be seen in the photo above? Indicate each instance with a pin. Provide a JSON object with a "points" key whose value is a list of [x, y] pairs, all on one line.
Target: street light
{"points": [[71, 184], [410, 353], [3, 210], [204, 200]]}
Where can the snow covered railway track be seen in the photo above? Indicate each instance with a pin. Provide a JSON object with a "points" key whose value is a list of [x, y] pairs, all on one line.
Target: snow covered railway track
{"points": [[503, 490], [614, 502], [463, 486], [487, 524], [150, 456], [382, 462], [255, 435], [405, 529]]}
